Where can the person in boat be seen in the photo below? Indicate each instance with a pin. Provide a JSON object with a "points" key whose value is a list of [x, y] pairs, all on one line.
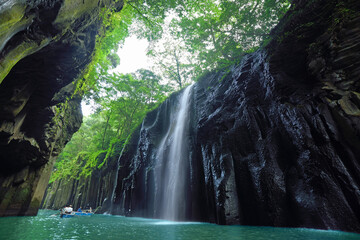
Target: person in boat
{"points": [[79, 210], [68, 209], [88, 209]]}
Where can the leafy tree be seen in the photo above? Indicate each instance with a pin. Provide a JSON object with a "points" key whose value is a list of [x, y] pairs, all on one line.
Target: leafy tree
{"points": [[172, 61], [214, 33], [122, 104]]}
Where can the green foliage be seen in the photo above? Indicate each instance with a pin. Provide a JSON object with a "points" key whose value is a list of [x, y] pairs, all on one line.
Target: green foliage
{"points": [[114, 30], [205, 35], [122, 103]]}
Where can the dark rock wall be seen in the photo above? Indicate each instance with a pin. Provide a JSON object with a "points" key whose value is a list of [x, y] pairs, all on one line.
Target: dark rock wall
{"points": [[44, 47], [93, 191], [276, 139]]}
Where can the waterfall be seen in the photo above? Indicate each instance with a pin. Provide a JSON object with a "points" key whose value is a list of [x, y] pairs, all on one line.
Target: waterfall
{"points": [[172, 163]]}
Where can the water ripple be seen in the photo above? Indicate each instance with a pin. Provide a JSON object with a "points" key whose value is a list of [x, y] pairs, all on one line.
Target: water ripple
{"points": [[47, 227]]}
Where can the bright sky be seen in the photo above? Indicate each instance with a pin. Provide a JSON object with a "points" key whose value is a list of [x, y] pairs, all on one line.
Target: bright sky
{"points": [[132, 57]]}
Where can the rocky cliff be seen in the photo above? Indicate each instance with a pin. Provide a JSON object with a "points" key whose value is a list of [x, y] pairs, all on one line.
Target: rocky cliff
{"points": [[94, 190], [44, 47], [272, 141]]}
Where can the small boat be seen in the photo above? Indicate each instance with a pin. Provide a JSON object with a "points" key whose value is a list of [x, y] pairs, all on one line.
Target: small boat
{"points": [[83, 213], [67, 215], [73, 214]]}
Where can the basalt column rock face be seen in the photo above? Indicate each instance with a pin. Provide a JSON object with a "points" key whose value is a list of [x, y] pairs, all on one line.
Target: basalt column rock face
{"points": [[44, 47], [93, 191], [273, 141]]}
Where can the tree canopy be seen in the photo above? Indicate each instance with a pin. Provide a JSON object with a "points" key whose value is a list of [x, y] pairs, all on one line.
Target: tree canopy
{"points": [[204, 35], [121, 104]]}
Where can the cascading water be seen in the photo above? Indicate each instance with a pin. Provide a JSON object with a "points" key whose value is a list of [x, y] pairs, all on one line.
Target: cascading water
{"points": [[172, 163]]}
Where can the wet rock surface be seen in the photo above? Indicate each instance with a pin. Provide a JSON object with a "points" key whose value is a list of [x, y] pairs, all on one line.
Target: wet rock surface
{"points": [[93, 191], [273, 141], [44, 47]]}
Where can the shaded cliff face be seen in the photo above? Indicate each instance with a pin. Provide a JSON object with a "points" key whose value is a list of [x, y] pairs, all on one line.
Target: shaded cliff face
{"points": [[93, 191], [44, 47], [272, 141]]}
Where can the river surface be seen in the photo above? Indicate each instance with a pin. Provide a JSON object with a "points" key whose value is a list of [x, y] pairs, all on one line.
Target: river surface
{"points": [[49, 227]]}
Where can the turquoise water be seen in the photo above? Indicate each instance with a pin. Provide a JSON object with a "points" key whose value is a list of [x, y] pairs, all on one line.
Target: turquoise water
{"points": [[46, 226]]}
